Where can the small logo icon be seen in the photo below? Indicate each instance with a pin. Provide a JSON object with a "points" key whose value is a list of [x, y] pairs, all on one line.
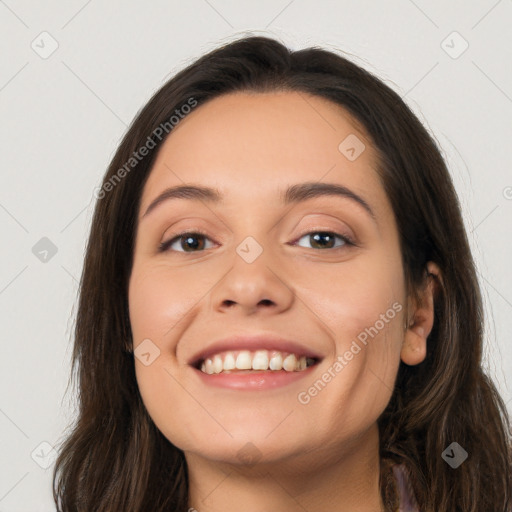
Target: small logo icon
{"points": [[249, 249], [454, 45], [249, 454], [44, 45], [44, 250], [44, 455], [146, 352], [351, 147], [454, 455]]}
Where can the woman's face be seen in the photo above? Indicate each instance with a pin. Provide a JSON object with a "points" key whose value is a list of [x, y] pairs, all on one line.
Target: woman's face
{"points": [[320, 270]]}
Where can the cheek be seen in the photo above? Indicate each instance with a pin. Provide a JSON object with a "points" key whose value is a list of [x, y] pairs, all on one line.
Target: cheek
{"points": [[362, 305], [356, 296], [158, 300]]}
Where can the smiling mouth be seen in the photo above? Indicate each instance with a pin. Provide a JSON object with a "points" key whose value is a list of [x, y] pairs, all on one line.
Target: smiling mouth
{"points": [[246, 361]]}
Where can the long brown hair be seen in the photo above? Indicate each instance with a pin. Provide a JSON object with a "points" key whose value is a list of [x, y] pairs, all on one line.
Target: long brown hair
{"points": [[115, 459]]}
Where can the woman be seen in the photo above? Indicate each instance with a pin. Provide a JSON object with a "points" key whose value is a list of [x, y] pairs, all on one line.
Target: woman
{"points": [[279, 309]]}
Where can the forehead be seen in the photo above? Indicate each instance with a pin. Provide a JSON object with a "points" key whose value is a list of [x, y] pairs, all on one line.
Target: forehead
{"points": [[260, 143]]}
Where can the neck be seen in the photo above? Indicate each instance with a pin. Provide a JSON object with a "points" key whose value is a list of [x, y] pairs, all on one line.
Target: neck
{"points": [[322, 479]]}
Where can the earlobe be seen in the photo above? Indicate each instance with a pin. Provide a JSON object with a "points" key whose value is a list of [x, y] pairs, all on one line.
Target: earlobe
{"points": [[414, 348], [419, 326]]}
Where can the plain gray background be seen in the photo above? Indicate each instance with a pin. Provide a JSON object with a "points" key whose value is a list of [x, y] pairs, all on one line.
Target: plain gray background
{"points": [[73, 75]]}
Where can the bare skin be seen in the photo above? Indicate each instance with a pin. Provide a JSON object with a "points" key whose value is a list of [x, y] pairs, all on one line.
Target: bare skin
{"points": [[316, 454]]}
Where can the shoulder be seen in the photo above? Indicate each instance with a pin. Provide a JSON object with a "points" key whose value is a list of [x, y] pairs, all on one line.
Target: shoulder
{"points": [[405, 492], [407, 499]]}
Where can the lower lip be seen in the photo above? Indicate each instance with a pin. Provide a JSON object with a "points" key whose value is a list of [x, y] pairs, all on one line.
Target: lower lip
{"points": [[256, 381]]}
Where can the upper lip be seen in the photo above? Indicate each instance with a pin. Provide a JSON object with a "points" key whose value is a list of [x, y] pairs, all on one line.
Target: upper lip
{"points": [[251, 343]]}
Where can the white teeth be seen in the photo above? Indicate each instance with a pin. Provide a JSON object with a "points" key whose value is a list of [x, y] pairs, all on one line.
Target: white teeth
{"points": [[229, 362], [243, 361], [276, 362], [217, 364], [289, 363], [209, 366], [262, 360]]}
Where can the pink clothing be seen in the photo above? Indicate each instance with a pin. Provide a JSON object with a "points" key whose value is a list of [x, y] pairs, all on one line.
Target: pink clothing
{"points": [[405, 492]]}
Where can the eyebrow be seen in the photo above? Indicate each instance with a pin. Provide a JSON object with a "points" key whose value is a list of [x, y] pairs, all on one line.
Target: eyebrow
{"points": [[293, 194]]}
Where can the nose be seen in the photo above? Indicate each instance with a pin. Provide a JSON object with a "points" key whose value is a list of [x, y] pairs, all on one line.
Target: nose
{"points": [[252, 288]]}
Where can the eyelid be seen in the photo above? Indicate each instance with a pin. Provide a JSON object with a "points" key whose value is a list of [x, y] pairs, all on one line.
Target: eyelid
{"points": [[349, 238], [166, 244]]}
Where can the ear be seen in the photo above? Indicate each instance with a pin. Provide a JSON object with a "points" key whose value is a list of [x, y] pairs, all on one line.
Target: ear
{"points": [[420, 318]]}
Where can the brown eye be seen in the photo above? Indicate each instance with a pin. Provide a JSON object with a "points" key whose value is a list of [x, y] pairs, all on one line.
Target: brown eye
{"points": [[325, 240], [185, 242]]}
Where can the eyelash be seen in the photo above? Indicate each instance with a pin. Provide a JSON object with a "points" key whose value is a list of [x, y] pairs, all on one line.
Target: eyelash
{"points": [[347, 241]]}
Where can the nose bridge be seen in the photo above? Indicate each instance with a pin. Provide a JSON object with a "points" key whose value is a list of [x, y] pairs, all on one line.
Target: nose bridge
{"points": [[253, 282]]}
